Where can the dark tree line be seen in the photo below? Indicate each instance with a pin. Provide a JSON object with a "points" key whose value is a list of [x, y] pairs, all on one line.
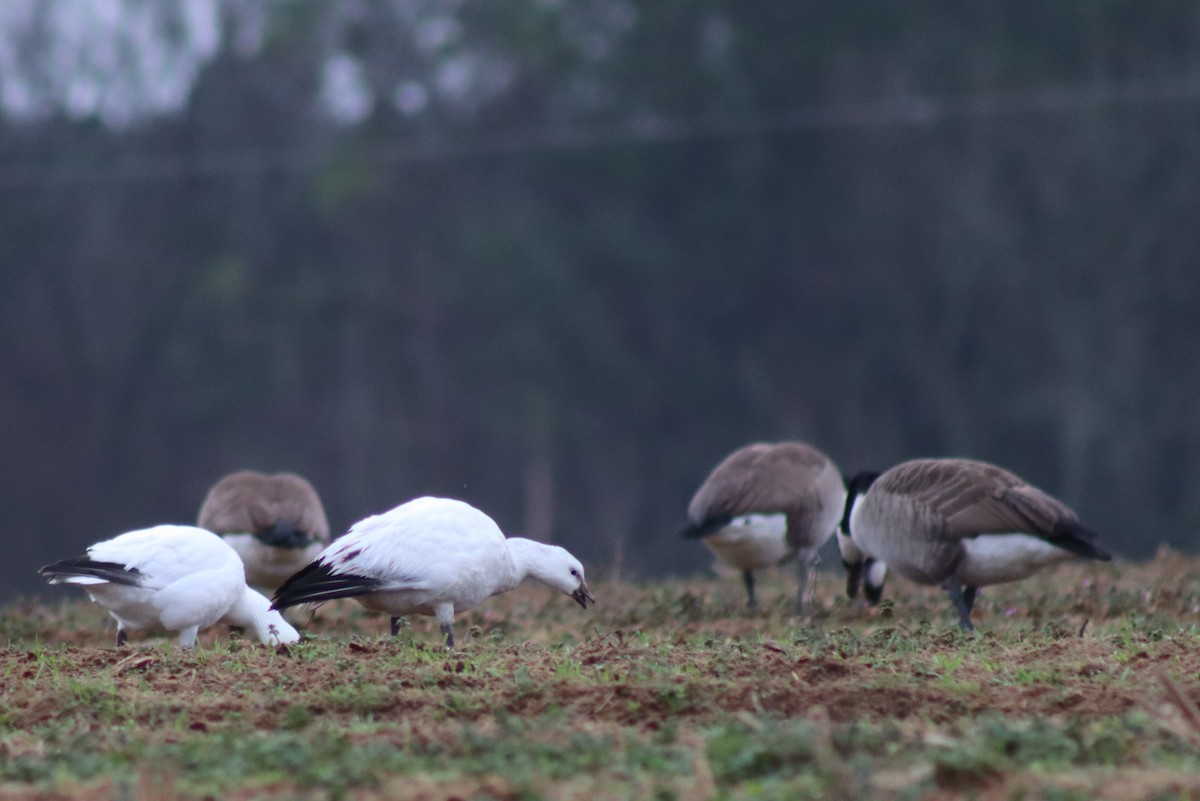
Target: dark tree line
{"points": [[557, 259]]}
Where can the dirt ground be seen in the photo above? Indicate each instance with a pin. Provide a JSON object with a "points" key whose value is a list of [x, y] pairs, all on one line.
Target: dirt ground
{"points": [[1090, 656]]}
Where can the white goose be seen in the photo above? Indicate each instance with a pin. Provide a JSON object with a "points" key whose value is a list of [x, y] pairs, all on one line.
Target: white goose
{"points": [[430, 556], [178, 578]]}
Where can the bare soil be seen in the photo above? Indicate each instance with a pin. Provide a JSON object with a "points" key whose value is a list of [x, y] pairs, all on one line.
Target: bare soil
{"points": [[1085, 648]]}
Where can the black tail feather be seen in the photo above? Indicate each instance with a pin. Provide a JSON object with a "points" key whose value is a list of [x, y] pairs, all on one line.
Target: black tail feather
{"points": [[698, 531], [1071, 536], [86, 566], [317, 583]]}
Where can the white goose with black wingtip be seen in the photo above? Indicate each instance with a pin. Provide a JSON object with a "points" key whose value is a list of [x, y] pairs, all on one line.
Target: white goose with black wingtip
{"points": [[178, 578], [430, 556], [959, 524], [765, 504]]}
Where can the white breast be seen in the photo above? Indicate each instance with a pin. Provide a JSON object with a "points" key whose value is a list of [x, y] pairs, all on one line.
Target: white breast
{"points": [[867, 536], [752, 542]]}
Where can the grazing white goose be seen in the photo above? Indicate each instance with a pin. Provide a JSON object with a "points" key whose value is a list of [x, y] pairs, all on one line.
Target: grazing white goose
{"points": [[959, 524], [178, 578], [430, 556], [275, 523], [765, 504]]}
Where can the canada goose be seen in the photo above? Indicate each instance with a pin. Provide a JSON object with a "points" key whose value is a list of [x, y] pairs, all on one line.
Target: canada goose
{"points": [[960, 525], [766, 503], [178, 578], [275, 523], [430, 556]]}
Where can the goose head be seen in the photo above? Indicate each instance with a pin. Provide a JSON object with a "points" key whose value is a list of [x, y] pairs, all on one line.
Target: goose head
{"points": [[282, 534], [254, 611], [556, 567], [853, 559]]}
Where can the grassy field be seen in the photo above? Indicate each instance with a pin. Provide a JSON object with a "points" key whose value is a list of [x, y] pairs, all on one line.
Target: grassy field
{"points": [[1079, 684]]}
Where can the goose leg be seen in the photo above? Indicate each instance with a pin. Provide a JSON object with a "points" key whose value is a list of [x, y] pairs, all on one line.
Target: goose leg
{"points": [[969, 597], [187, 637], [395, 626], [807, 593], [953, 587], [445, 616], [122, 637], [748, 580]]}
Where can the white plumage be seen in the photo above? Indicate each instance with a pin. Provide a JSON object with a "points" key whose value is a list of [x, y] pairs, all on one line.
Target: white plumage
{"points": [[178, 578], [430, 556]]}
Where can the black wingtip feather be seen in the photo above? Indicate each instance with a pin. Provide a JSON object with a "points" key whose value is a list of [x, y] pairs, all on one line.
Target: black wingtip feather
{"points": [[698, 531], [1072, 536], [317, 583], [86, 566]]}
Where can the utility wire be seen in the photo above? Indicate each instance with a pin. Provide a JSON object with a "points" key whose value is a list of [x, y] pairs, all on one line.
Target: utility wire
{"points": [[902, 111]]}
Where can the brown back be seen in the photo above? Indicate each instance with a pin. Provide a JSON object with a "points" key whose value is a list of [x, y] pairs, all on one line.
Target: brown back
{"points": [[250, 502], [790, 478], [973, 497]]}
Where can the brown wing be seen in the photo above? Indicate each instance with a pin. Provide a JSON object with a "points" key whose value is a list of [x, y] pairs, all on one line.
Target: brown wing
{"points": [[761, 479], [252, 502], [975, 497]]}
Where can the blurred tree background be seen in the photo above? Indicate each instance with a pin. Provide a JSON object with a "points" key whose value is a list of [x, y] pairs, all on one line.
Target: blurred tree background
{"points": [[558, 258]]}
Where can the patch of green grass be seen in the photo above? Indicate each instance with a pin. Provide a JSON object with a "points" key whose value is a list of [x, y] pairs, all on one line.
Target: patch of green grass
{"points": [[665, 690]]}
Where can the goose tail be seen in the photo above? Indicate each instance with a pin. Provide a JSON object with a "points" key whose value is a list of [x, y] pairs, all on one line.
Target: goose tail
{"points": [[85, 570], [317, 583], [1075, 538], [698, 531]]}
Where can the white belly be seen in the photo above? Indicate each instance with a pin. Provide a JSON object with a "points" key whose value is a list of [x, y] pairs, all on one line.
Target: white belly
{"points": [[752, 542], [132, 607], [997, 558]]}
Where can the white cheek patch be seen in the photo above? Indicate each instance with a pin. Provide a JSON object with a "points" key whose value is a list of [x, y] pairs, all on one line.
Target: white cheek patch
{"points": [[876, 574]]}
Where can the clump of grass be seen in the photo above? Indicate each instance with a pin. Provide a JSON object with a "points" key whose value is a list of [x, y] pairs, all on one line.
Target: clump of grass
{"points": [[668, 689]]}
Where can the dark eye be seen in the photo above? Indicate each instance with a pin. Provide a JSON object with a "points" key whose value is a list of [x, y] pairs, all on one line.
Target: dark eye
{"points": [[574, 572]]}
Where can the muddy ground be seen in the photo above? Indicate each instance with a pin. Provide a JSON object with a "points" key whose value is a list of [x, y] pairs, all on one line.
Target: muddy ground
{"points": [[1081, 683]]}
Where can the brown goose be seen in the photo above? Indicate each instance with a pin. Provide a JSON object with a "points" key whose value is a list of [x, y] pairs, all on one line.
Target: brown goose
{"points": [[275, 523], [767, 503], [960, 525]]}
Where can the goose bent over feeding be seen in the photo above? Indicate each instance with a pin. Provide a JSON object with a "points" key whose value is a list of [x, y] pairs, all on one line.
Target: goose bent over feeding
{"points": [[959, 524], [178, 578], [430, 556], [767, 503], [275, 523]]}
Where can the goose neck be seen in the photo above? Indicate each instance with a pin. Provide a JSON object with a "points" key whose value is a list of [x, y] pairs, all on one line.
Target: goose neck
{"points": [[253, 611], [526, 556]]}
